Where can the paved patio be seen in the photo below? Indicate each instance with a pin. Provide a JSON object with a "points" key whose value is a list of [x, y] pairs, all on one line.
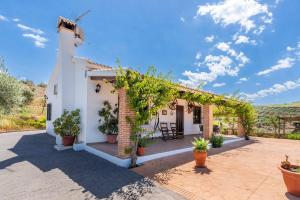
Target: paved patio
{"points": [[30, 168], [241, 170], [158, 145]]}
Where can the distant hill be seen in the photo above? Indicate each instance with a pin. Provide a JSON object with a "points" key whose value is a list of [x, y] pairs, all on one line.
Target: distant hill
{"points": [[286, 109], [292, 104]]}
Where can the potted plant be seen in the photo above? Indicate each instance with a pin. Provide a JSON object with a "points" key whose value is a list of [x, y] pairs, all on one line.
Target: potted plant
{"points": [[200, 151], [68, 126], [291, 176], [109, 122], [142, 143], [216, 141]]}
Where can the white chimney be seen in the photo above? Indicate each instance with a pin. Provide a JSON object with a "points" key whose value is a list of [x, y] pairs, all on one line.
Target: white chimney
{"points": [[68, 40]]}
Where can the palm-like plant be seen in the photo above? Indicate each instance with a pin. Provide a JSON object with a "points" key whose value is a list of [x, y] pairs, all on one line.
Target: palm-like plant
{"points": [[200, 144]]}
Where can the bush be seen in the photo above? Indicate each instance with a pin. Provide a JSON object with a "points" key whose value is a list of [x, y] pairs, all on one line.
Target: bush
{"points": [[294, 136], [10, 93], [68, 124], [200, 144], [43, 85], [217, 141], [109, 119], [27, 96]]}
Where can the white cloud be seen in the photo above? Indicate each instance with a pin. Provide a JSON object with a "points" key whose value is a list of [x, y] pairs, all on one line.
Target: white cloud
{"points": [[219, 84], [3, 18], [220, 65], [210, 38], [182, 19], [249, 14], [290, 48], [242, 39], [225, 47], [217, 66], [281, 64], [275, 89], [16, 19], [257, 84], [241, 80], [39, 41], [198, 55], [27, 28]]}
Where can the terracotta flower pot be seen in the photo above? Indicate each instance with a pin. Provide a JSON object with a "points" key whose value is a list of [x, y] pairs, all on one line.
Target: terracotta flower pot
{"points": [[291, 180], [68, 140], [111, 139], [141, 151], [200, 157]]}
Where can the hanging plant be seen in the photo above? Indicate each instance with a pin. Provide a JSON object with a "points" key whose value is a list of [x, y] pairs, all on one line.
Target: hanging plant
{"points": [[172, 105], [190, 106]]}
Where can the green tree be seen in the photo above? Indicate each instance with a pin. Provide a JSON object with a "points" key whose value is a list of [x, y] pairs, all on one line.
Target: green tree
{"points": [[273, 121], [147, 94], [27, 96], [10, 90]]}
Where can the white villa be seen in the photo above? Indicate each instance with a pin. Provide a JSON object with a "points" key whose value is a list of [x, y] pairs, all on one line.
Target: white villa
{"points": [[73, 85]]}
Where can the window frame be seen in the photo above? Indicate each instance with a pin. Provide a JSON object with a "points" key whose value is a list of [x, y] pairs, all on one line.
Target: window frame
{"points": [[199, 121], [49, 111]]}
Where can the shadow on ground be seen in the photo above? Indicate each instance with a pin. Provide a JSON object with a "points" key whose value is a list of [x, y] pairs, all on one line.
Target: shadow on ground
{"points": [[98, 176], [162, 170]]}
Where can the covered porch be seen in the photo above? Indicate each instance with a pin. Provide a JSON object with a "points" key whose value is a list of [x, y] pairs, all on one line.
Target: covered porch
{"points": [[159, 148], [182, 112]]}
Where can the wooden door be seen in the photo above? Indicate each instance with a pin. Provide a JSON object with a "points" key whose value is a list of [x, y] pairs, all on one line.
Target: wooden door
{"points": [[180, 119]]}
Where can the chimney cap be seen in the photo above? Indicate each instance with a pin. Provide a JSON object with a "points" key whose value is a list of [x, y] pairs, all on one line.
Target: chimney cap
{"points": [[66, 23]]}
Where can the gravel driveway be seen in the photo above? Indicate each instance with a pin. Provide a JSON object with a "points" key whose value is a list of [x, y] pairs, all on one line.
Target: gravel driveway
{"points": [[30, 168]]}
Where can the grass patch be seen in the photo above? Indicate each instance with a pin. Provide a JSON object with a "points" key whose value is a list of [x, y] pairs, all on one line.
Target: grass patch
{"points": [[29, 117], [294, 136]]}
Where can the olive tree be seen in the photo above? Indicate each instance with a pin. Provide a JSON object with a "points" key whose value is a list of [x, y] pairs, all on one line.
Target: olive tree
{"points": [[10, 90]]}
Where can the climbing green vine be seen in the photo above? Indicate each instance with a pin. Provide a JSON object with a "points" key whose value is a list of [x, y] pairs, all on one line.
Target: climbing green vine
{"points": [[147, 93]]}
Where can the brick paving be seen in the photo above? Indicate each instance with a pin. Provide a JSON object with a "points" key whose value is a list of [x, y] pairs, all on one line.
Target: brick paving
{"points": [[30, 168], [238, 171]]}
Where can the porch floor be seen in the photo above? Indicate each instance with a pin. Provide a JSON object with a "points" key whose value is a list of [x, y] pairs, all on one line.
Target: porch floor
{"points": [[158, 145]]}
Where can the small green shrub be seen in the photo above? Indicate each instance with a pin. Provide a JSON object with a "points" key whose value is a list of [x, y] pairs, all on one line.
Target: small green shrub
{"points": [[68, 124], [216, 141], [200, 144], [294, 136], [144, 142], [109, 119]]}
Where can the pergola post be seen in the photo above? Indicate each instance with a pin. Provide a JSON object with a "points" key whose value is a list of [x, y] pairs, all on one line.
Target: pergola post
{"points": [[124, 127], [240, 128], [207, 121]]}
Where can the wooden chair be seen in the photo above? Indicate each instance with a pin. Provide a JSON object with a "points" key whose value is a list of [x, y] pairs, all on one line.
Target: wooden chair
{"points": [[165, 131], [176, 134], [173, 129]]}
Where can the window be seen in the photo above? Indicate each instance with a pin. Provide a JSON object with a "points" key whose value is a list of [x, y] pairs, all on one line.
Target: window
{"points": [[197, 115], [49, 111], [55, 89]]}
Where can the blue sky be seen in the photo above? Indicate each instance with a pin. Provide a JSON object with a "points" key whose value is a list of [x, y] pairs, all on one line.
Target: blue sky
{"points": [[252, 46]]}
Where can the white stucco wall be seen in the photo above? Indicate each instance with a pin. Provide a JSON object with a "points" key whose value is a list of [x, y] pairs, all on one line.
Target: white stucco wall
{"points": [[189, 127], [55, 100], [94, 104]]}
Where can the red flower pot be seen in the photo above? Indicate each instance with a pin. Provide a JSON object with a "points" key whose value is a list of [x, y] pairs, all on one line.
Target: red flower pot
{"points": [[141, 151], [200, 158], [291, 180], [68, 140], [111, 139]]}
